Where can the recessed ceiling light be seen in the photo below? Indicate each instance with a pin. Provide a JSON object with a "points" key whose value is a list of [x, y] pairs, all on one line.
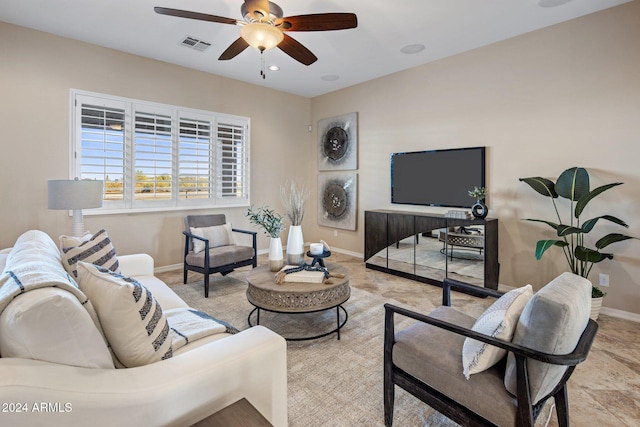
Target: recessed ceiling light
{"points": [[274, 68], [410, 49], [330, 78], [552, 3]]}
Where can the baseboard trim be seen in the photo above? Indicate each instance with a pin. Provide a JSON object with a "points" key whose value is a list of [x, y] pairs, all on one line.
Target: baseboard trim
{"points": [[620, 314]]}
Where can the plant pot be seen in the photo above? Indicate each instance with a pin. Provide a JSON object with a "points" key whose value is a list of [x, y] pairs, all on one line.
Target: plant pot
{"points": [[276, 259], [295, 246], [596, 305]]}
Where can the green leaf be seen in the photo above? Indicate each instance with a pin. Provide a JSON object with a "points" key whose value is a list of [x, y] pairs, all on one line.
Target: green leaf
{"points": [[543, 245], [565, 230], [541, 185], [590, 255], [549, 223], [590, 195], [588, 225], [611, 238], [573, 183]]}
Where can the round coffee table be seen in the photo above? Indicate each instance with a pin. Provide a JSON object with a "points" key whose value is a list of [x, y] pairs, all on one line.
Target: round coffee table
{"points": [[298, 297]]}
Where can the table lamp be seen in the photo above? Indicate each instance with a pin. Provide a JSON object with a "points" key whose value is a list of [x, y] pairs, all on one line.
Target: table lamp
{"points": [[75, 195]]}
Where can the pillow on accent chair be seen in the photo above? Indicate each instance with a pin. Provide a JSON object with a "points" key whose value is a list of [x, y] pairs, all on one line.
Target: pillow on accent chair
{"points": [[552, 322], [218, 235], [131, 318], [498, 321], [96, 250]]}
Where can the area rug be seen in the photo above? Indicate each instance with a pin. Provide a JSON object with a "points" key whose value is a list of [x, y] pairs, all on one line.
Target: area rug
{"points": [[331, 382]]}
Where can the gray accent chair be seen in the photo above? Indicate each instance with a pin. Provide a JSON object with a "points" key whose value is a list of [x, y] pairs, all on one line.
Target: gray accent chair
{"points": [[220, 259], [553, 335]]}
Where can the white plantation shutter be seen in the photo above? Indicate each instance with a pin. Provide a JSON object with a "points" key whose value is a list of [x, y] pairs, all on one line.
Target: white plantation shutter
{"points": [[153, 156], [196, 154], [100, 148], [230, 159], [156, 156]]}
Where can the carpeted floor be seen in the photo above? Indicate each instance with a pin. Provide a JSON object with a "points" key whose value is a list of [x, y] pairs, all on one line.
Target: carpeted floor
{"points": [[331, 382]]}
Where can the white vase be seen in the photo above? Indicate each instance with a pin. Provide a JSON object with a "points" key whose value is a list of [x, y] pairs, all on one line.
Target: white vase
{"points": [[596, 305], [295, 246], [276, 259]]}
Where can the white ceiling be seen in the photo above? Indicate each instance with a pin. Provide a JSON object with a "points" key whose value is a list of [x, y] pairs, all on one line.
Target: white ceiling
{"points": [[444, 27]]}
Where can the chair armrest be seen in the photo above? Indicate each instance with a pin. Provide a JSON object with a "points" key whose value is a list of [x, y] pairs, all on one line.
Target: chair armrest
{"points": [[449, 284], [193, 236], [578, 355], [237, 230]]}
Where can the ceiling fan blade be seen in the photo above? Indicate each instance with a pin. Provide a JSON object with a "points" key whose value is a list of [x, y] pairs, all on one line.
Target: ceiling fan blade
{"points": [[258, 8], [297, 51], [194, 15], [236, 48], [318, 22]]}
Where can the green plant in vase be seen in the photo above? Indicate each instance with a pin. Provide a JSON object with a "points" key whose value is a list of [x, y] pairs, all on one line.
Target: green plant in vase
{"points": [[269, 220], [479, 209], [573, 184]]}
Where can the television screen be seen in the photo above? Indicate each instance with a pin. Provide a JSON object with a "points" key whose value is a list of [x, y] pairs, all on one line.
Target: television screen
{"points": [[437, 177]]}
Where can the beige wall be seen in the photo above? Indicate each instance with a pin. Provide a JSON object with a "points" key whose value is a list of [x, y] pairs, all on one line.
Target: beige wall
{"points": [[560, 97], [564, 96], [37, 71]]}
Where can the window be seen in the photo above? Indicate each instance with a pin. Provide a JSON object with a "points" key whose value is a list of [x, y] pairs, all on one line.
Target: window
{"points": [[155, 156]]}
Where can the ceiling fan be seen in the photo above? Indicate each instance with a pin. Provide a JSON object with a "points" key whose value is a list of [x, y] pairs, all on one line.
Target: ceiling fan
{"points": [[264, 28]]}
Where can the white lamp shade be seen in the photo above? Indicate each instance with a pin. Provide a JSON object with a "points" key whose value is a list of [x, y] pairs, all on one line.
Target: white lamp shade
{"points": [[261, 36], [75, 194]]}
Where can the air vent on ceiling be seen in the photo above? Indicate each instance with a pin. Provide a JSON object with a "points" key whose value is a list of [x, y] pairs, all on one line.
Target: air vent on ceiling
{"points": [[194, 43]]}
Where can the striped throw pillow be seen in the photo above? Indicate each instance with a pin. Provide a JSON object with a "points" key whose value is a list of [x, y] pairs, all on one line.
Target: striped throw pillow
{"points": [[132, 320], [96, 250]]}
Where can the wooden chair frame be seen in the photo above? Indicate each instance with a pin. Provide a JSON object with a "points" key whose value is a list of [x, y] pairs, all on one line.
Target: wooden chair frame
{"points": [[223, 269], [526, 412]]}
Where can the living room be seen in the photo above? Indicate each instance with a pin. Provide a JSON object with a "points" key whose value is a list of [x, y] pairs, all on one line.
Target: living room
{"points": [[558, 97]]}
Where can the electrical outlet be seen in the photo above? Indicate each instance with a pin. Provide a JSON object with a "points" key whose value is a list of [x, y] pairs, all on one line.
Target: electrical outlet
{"points": [[604, 280], [335, 233]]}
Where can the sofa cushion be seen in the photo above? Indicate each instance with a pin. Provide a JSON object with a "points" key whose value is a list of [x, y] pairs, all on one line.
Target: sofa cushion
{"points": [[97, 250], [498, 321], [222, 255], [218, 235], [51, 325], [552, 322], [433, 355], [132, 320]]}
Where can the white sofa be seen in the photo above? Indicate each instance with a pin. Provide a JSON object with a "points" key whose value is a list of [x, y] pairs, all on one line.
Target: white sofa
{"points": [[200, 379]]}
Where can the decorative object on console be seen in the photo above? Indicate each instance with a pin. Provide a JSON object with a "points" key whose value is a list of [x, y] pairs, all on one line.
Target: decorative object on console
{"points": [[75, 195], [338, 142], [573, 184], [294, 198], [272, 224], [337, 196], [479, 209]]}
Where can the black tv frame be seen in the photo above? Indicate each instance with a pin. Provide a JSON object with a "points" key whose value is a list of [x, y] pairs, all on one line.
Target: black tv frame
{"points": [[447, 172]]}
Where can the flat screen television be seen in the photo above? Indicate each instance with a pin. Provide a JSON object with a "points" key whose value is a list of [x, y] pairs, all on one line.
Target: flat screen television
{"points": [[437, 177]]}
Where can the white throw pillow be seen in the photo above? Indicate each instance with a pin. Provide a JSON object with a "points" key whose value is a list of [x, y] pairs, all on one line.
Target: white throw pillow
{"points": [[218, 235], [96, 250], [498, 321], [51, 325], [71, 241], [131, 318]]}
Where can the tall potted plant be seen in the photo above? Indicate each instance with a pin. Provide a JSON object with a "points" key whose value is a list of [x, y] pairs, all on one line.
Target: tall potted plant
{"points": [[272, 223], [573, 184], [294, 198]]}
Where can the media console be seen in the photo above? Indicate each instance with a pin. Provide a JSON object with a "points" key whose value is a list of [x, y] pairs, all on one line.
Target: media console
{"points": [[392, 244]]}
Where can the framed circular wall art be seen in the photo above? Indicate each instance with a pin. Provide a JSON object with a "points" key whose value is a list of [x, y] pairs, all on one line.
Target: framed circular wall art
{"points": [[338, 143], [337, 200]]}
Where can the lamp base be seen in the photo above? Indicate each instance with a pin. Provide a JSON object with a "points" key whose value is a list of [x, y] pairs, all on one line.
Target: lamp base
{"points": [[77, 227]]}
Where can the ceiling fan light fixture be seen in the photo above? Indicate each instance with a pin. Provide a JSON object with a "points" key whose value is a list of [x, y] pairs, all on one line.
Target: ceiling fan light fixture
{"points": [[261, 36]]}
